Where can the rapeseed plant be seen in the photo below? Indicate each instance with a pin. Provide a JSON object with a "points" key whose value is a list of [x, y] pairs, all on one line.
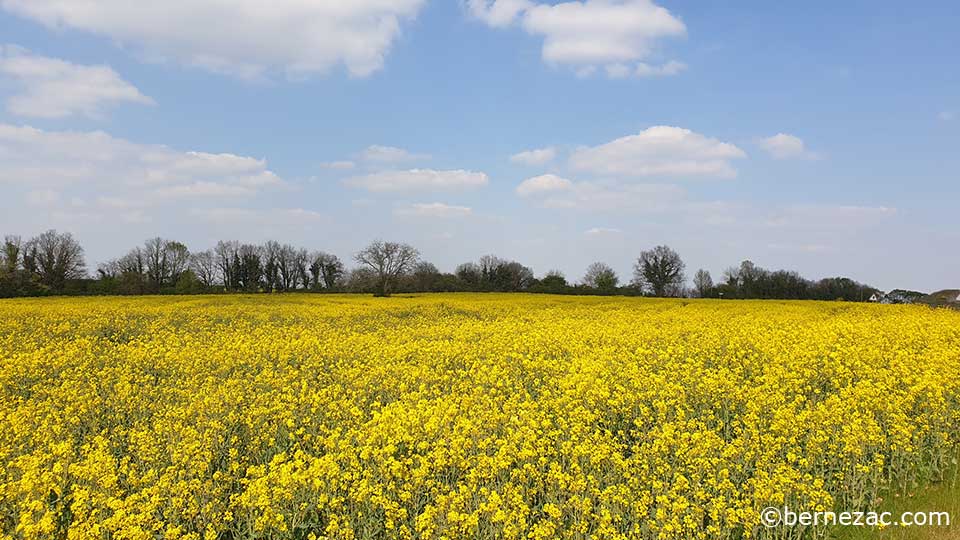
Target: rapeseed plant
{"points": [[453, 416]]}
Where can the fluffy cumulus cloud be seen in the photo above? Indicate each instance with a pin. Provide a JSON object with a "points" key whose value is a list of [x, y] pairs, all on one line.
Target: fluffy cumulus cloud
{"points": [[434, 210], [785, 146], [540, 156], [660, 151], [551, 191], [245, 38], [54, 88], [389, 154], [418, 180], [611, 172], [618, 35], [546, 183], [64, 168]]}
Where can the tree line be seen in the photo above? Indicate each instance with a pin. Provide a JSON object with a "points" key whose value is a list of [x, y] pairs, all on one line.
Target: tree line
{"points": [[750, 281], [53, 263]]}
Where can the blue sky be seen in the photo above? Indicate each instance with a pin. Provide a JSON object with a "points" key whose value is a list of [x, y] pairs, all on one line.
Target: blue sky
{"points": [[815, 136]]}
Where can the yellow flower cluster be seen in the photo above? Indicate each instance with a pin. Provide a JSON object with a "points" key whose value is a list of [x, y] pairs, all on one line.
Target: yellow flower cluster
{"points": [[456, 416]]}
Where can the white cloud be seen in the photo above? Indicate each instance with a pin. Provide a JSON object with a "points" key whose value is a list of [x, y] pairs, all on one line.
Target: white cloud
{"points": [[604, 197], [643, 70], [244, 38], [618, 71], [389, 154], [434, 210], [418, 180], [947, 116], [203, 189], [123, 174], [551, 191], [602, 231], [666, 70], [270, 217], [785, 146], [800, 222], [547, 183], [498, 13], [834, 218], [43, 197], [114, 203], [585, 71], [167, 167], [339, 165], [54, 88], [660, 151], [540, 156], [591, 33], [600, 31], [112, 192]]}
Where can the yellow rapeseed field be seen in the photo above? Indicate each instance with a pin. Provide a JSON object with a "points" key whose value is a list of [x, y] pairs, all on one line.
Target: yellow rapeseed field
{"points": [[462, 416]]}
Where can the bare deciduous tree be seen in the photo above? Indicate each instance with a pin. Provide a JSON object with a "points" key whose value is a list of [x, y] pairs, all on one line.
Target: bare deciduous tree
{"points": [[331, 270], [178, 261], [133, 263], [600, 276], [131, 271], [287, 267], [389, 260], [702, 283], [469, 273], [165, 262], [301, 263], [271, 265], [57, 258], [731, 276], [495, 274], [488, 265], [516, 276], [425, 276], [228, 259], [660, 272], [109, 269], [360, 280], [205, 267], [155, 259], [249, 267]]}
